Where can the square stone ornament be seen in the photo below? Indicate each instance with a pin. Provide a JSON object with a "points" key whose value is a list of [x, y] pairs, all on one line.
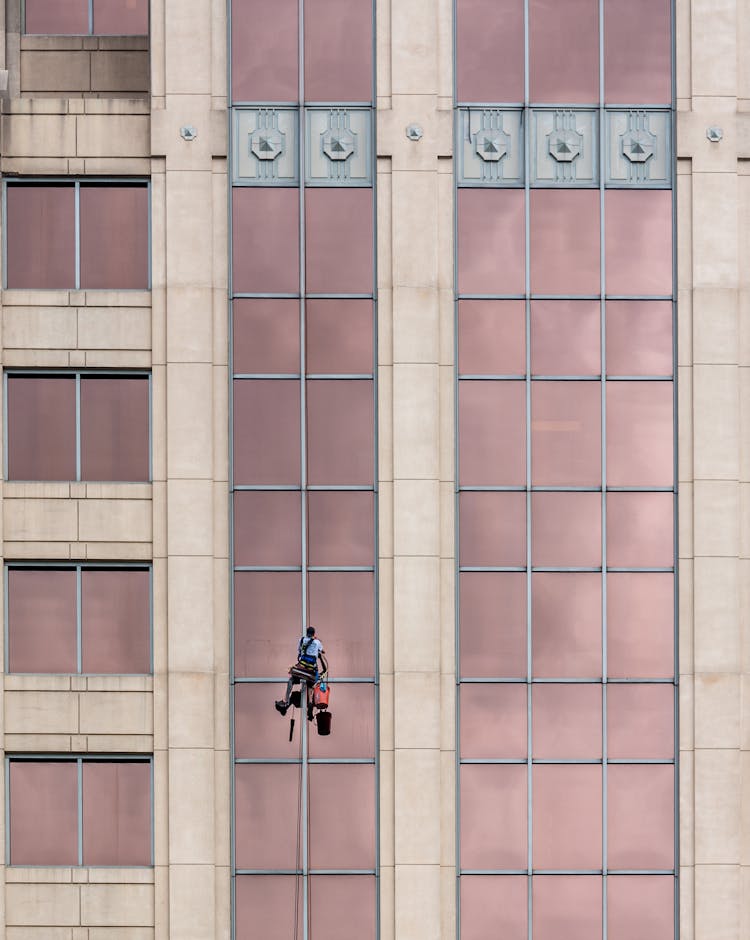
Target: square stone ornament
{"points": [[339, 145], [489, 147], [565, 148], [639, 148], [265, 142]]}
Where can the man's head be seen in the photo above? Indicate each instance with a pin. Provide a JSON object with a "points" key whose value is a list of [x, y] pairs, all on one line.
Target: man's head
{"points": [[310, 631]]}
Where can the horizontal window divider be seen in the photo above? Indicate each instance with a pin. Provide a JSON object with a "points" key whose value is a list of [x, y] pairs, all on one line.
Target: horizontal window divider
{"points": [[667, 681], [565, 378], [543, 105], [340, 104], [310, 760], [268, 568], [520, 488], [561, 680], [641, 871], [640, 570], [260, 295], [266, 488], [460, 296], [564, 762], [490, 570], [583, 872], [343, 871], [239, 105], [79, 865], [662, 297], [532, 296], [336, 680], [329, 296], [554, 568], [115, 372], [341, 376], [478, 377], [341, 568], [640, 378], [62, 564], [84, 675], [340, 488], [28, 180], [491, 489], [641, 489], [493, 871], [262, 872], [266, 375], [108, 758], [645, 760]]}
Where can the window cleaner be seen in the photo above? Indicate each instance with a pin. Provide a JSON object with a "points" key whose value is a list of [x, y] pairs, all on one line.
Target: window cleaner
{"points": [[310, 652]]}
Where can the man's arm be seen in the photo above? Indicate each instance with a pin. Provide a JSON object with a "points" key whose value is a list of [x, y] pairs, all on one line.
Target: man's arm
{"points": [[323, 660]]}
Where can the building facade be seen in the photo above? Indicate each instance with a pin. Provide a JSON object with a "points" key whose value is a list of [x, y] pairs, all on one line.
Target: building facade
{"points": [[423, 322]]}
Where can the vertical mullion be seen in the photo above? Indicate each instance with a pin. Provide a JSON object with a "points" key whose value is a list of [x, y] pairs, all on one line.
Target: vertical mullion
{"points": [[91, 17], [78, 232], [79, 623], [78, 426], [79, 762]]}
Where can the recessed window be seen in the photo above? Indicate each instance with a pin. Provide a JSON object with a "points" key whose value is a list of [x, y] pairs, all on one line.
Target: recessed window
{"points": [[77, 235], [86, 18], [79, 811], [73, 619], [78, 426]]}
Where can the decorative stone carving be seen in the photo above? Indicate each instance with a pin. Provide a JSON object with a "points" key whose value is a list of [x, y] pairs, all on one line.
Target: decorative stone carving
{"points": [[265, 146], [339, 142], [564, 148], [489, 146], [639, 148]]}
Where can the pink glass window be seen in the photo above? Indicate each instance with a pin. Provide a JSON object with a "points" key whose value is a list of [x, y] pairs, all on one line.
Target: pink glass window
{"points": [[640, 814], [491, 337], [493, 624], [489, 50], [564, 51], [567, 907], [270, 72], [567, 816], [493, 905], [114, 237], [254, 736], [266, 436], [342, 907], [57, 17], [339, 337], [116, 813], [267, 529], [352, 707], [115, 428], [493, 530], [640, 433], [265, 230], [41, 238], [493, 721], [43, 813], [492, 433], [342, 605], [42, 620], [640, 625], [340, 432], [341, 528], [491, 233], [265, 829], [342, 816], [566, 434], [566, 530], [640, 530], [264, 906], [639, 337], [565, 241], [565, 337], [640, 722], [41, 428], [566, 632], [121, 17], [567, 722], [493, 816], [338, 50], [339, 241], [640, 906], [266, 336], [115, 621], [267, 619], [638, 242], [637, 52]]}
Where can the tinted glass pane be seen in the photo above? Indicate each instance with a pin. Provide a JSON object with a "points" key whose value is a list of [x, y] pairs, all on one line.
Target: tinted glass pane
{"points": [[640, 530], [266, 441], [566, 434], [492, 433], [565, 337], [564, 50], [340, 433], [639, 242], [489, 50], [339, 241], [493, 530], [41, 428], [339, 336], [264, 907], [267, 621], [567, 907], [640, 433], [269, 72], [265, 233], [567, 817], [567, 722], [41, 620], [342, 816], [493, 906], [493, 624], [116, 813], [114, 237], [352, 707], [57, 17], [565, 241], [115, 429], [266, 796], [338, 50], [639, 337], [121, 17], [40, 239], [342, 907], [343, 605], [43, 813], [637, 44], [341, 528], [491, 337], [493, 816], [491, 255], [566, 530], [640, 814], [640, 625], [640, 906], [566, 625], [267, 528], [493, 721], [266, 336], [116, 621], [258, 734], [640, 722]]}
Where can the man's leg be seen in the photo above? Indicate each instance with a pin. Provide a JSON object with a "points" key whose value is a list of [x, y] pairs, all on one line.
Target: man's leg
{"points": [[282, 705]]}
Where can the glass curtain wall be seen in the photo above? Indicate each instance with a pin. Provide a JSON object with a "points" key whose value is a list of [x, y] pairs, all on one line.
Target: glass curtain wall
{"points": [[566, 469]]}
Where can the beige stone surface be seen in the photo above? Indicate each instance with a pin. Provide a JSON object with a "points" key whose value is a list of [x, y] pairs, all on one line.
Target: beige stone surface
{"points": [[117, 905], [42, 905]]}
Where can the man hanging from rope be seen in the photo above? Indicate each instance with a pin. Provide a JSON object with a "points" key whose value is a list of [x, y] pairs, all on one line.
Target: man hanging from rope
{"points": [[309, 651]]}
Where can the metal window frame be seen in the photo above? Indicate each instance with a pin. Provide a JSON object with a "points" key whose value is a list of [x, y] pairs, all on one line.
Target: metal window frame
{"points": [[90, 33]]}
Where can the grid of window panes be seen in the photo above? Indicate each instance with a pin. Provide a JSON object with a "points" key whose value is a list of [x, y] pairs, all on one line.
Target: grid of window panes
{"points": [[566, 470], [303, 462], [85, 17]]}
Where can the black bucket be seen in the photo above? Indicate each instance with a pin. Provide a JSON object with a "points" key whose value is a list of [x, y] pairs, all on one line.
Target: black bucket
{"points": [[324, 722], [295, 699]]}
